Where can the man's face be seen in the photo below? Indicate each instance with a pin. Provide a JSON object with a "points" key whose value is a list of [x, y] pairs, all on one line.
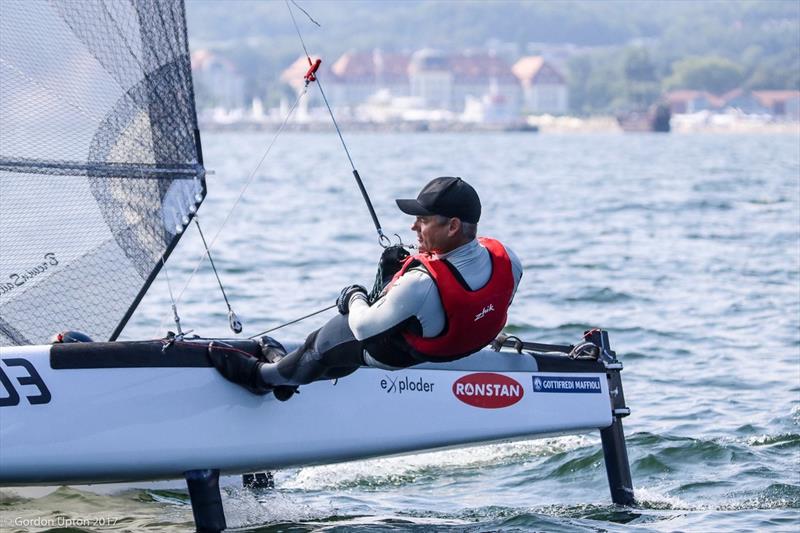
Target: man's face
{"points": [[435, 234]]}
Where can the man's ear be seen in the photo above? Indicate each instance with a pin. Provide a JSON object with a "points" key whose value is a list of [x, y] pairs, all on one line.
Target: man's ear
{"points": [[454, 228]]}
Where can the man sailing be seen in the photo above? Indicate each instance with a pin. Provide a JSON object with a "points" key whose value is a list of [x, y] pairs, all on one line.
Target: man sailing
{"points": [[445, 303]]}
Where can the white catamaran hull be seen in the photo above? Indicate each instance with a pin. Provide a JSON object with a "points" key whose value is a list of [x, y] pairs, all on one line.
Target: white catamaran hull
{"points": [[74, 425]]}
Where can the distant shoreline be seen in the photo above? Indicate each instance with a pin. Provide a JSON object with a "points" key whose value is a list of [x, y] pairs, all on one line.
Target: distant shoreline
{"points": [[540, 125]]}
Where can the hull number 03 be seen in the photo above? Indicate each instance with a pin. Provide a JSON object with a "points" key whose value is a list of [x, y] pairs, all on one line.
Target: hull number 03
{"points": [[29, 384]]}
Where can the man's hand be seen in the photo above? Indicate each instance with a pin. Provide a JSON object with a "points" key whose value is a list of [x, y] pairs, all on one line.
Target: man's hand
{"points": [[343, 301], [392, 260]]}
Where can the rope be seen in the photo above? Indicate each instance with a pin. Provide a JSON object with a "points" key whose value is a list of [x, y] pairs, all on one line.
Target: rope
{"points": [[338, 131], [175, 316], [233, 320], [297, 28], [296, 320], [306, 14], [211, 260]]}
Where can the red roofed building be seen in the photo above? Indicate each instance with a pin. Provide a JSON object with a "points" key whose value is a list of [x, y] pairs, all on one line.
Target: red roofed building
{"points": [[544, 88], [781, 104], [431, 79], [784, 104], [479, 75], [687, 101], [435, 79], [446, 81], [353, 78], [359, 75], [744, 102]]}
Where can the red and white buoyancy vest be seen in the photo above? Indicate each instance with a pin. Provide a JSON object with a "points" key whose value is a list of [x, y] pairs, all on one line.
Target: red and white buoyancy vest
{"points": [[473, 318]]}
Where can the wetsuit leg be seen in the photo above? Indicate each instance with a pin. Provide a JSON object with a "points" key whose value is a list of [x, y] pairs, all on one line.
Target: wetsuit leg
{"points": [[331, 352]]}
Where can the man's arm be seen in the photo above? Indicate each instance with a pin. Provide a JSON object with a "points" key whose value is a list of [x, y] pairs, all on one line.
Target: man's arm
{"points": [[404, 300], [516, 269]]}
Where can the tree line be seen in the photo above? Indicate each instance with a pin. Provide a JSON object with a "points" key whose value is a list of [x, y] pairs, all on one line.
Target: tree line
{"points": [[627, 52]]}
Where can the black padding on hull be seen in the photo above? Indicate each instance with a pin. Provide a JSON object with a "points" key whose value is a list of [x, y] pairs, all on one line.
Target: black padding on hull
{"points": [[193, 354], [140, 354]]}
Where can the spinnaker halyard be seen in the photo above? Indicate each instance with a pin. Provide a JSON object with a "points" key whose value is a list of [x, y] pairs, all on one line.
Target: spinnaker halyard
{"points": [[100, 160]]}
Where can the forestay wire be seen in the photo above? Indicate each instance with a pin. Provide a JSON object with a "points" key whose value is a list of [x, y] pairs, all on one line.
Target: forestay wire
{"points": [[312, 75], [295, 321]]}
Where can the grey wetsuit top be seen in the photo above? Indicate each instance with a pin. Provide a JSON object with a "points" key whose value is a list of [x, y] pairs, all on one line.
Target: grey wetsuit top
{"points": [[415, 294]]}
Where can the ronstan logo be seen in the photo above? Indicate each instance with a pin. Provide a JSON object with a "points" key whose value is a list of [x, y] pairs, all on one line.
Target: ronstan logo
{"points": [[488, 390]]}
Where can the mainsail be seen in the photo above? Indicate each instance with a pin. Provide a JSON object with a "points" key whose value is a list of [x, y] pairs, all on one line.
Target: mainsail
{"points": [[100, 161]]}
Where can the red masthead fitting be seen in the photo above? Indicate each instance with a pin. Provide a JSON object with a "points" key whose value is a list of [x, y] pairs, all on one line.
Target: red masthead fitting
{"points": [[312, 71]]}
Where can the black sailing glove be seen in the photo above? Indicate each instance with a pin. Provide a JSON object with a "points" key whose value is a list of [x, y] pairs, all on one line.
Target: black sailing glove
{"points": [[392, 260], [343, 301], [390, 263]]}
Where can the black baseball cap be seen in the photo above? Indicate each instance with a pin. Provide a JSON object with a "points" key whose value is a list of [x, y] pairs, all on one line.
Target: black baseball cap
{"points": [[446, 196]]}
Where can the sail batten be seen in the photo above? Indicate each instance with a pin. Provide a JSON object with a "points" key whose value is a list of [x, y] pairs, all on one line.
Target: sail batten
{"points": [[109, 169], [100, 160]]}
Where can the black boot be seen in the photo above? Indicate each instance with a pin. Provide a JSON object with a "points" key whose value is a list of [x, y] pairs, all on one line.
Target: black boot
{"points": [[238, 367]]}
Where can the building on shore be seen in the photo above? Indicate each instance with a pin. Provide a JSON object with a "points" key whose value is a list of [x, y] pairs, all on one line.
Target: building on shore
{"points": [[781, 105], [429, 79], [689, 101], [486, 77], [218, 83], [544, 88], [358, 76]]}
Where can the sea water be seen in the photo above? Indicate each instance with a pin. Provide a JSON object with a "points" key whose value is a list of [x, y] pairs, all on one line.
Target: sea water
{"points": [[686, 248]]}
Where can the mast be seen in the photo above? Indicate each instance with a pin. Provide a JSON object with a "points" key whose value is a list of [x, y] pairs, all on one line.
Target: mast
{"points": [[161, 123]]}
